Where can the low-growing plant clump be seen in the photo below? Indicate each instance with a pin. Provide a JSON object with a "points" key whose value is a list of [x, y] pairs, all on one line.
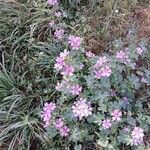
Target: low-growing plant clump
{"points": [[55, 94]]}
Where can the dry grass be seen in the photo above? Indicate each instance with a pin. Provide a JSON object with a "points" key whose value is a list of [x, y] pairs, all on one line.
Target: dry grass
{"points": [[113, 19], [142, 21]]}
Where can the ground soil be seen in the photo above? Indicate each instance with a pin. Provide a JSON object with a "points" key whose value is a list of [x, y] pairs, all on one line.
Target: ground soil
{"points": [[140, 18]]}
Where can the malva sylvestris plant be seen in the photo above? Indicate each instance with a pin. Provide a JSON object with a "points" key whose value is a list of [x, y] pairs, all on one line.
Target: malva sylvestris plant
{"points": [[137, 136], [106, 123], [47, 113], [53, 2], [82, 108], [58, 93], [98, 92]]}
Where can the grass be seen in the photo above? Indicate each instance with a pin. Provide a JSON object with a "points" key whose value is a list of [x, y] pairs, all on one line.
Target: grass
{"points": [[112, 20], [24, 72]]}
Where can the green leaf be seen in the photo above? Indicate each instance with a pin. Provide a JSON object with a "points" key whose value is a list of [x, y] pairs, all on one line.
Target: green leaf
{"points": [[123, 138], [77, 147], [105, 82], [131, 121], [135, 81], [102, 143], [91, 119], [51, 132], [98, 118], [76, 135]]}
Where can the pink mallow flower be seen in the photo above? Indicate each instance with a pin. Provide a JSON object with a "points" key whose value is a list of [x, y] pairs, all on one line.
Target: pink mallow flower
{"points": [[116, 115], [60, 60], [102, 68], [81, 108], [89, 54], [64, 54], [126, 129], [137, 136], [106, 123], [64, 131], [97, 74], [68, 70], [58, 14], [113, 93], [81, 66], [123, 56], [75, 89], [64, 84], [51, 23], [139, 50], [59, 123], [59, 86], [144, 80], [47, 113], [103, 72], [125, 100], [53, 2], [101, 61], [62, 128], [106, 71], [74, 41], [59, 34]]}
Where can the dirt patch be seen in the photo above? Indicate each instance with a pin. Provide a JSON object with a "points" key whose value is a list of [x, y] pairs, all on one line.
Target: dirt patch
{"points": [[95, 44], [104, 30], [142, 21], [117, 27]]}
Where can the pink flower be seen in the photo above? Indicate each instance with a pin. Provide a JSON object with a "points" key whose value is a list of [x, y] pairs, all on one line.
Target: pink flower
{"points": [[53, 2], [59, 86], [82, 108], [144, 80], [126, 129], [106, 123], [116, 115], [97, 74], [59, 33], [137, 136], [68, 70], [64, 131], [75, 89], [64, 84], [74, 42], [103, 72], [62, 128], [51, 23], [89, 54], [81, 66], [125, 100], [58, 14], [101, 61], [113, 93], [102, 68], [64, 54], [47, 112], [60, 61], [59, 123], [139, 50], [123, 56], [106, 71]]}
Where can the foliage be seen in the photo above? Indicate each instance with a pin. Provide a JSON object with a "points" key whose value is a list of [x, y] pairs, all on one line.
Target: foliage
{"points": [[47, 77]]}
